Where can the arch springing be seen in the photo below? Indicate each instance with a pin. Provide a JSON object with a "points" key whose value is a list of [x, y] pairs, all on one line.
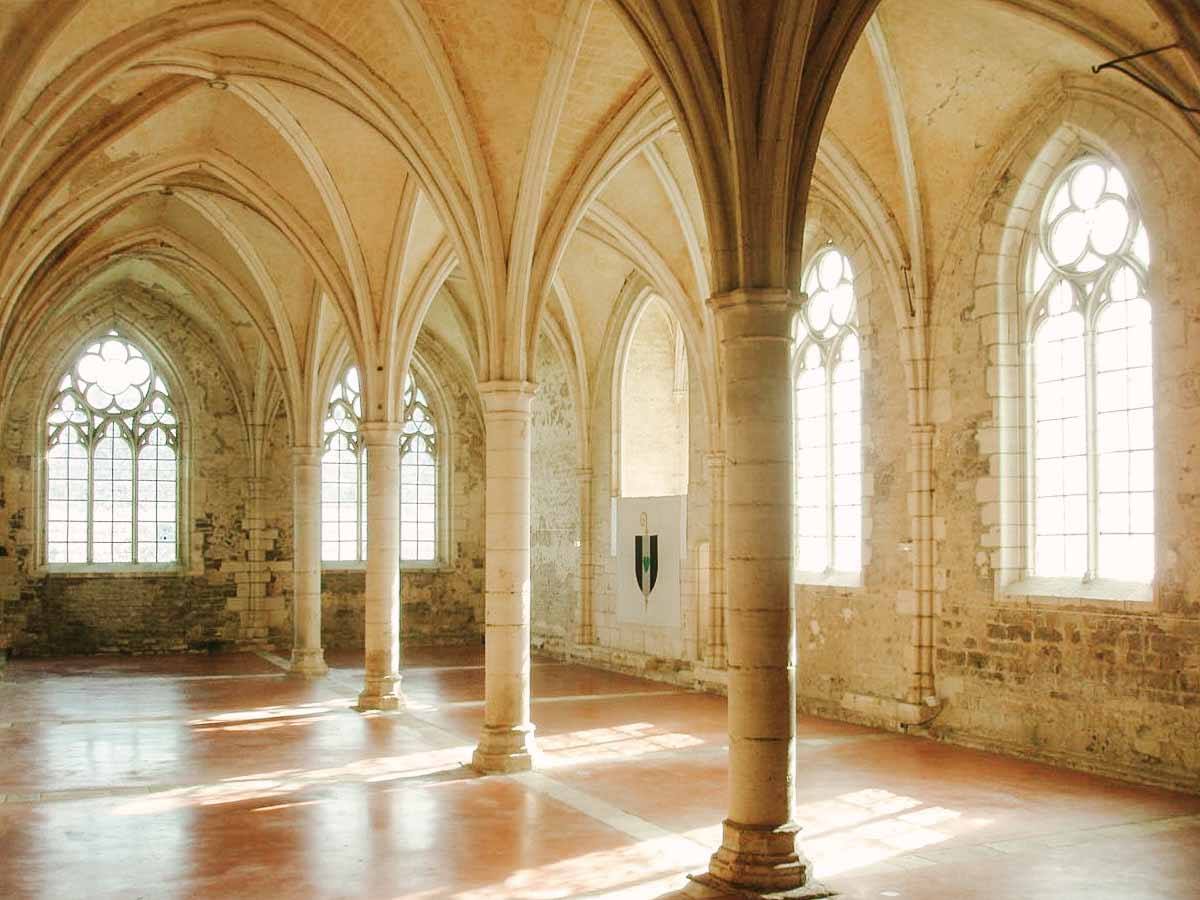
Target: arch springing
{"points": [[828, 421], [1089, 386], [112, 460]]}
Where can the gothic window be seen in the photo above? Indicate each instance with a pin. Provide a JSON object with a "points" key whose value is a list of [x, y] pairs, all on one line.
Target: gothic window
{"points": [[828, 420], [344, 477], [418, 478], [1089, 386], [112, 460]]}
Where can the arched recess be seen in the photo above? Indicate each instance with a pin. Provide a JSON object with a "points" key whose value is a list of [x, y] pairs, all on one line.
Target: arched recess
{"points": [[1078, 124], [157, 327], [651, 435], [556, 513]]}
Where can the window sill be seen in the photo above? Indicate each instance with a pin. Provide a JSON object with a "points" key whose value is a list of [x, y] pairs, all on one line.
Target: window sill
{"points": [[1134, 596], [828, 579], [115, 571], [434, 567]]}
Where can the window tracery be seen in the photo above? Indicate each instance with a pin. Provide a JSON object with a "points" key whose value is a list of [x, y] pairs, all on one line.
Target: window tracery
{"points": [[828, 420], [1089, 388], [112, 460], [344, 476]]}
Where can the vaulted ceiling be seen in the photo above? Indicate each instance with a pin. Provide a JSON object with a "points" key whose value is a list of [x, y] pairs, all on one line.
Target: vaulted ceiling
{"points": [[317, 175]]}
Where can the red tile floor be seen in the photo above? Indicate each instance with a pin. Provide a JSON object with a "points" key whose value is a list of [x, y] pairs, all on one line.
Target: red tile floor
{"points": [[197, 776]]}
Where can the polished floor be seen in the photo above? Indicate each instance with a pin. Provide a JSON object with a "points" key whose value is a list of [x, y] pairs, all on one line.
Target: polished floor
{"points": [[196, 776]]}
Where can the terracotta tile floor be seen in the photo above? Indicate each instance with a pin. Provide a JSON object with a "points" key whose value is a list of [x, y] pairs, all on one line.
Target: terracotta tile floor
{"points": [[197, 776]]}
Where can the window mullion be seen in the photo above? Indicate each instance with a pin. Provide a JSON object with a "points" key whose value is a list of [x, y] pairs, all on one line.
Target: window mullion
{"points": [[1093, 460], [830, 542], [133, 513], [90, 500]]}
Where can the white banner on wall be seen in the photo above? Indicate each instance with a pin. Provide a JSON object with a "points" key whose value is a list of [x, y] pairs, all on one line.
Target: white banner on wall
{"points": [[649, 538]]}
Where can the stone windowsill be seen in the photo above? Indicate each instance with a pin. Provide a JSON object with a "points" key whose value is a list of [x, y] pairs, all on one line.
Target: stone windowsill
{"points": [[844, 580], [118, 570], [361, 566], [1107, 593]]}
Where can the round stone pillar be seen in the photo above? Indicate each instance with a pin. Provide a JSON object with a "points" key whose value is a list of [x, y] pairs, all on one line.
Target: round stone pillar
{"points": [[307, 656], [758, 849], [381, 688], [506, 744]]}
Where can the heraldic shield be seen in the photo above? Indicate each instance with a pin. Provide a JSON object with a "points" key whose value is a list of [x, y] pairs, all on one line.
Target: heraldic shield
{"points": [[645, 560]]}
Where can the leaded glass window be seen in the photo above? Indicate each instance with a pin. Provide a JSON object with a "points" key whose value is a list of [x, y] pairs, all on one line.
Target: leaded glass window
{"points": [[1090, 386], [344, 476], [112, 460], [418, 478], [828, 421]]}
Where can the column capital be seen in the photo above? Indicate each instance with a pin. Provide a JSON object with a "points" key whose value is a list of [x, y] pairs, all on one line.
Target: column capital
{"points": [[755, 313], [375, 434], [506, 396], [307, 454], [755, 297]]}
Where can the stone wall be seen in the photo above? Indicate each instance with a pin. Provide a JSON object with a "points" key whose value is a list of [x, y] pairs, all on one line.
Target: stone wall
{"points": [[1100, 684], [554, 504], [443, 603], [663, 653], [195, 608], [234, 587], [852, 641]]}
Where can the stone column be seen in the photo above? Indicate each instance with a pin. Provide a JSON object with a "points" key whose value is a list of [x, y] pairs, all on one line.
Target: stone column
{"points": [[715, 650], [506, 744], [585, 632], [920, 505], [758, 848], [307, 656], [381, 688]]}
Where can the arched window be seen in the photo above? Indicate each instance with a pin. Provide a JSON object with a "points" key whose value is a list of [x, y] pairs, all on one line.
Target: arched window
{"points": [[112, 460], [344, 476], [828, 417], [1089, 388], [418, 478]]}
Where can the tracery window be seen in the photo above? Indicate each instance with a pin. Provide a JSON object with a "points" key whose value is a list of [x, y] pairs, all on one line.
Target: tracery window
{"points": [[418, 478], [344, 476], [112, 460], [1089, 386], [828, 421]]}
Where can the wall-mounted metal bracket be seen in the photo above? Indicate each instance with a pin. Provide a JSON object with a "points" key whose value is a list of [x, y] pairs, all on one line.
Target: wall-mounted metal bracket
{"points": [[1142, 80]]}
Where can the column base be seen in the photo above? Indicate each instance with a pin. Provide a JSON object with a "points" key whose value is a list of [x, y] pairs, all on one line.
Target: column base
{"points": [[309, 663], [383, 695], [504, 750], [709, 887], [760, 858]]}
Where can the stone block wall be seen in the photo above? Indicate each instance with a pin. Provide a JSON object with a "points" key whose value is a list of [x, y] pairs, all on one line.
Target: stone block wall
{"points": [[554, 504], [234, 586], [853, 640], [442, 603], [1111, 685], [194, 608]]}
